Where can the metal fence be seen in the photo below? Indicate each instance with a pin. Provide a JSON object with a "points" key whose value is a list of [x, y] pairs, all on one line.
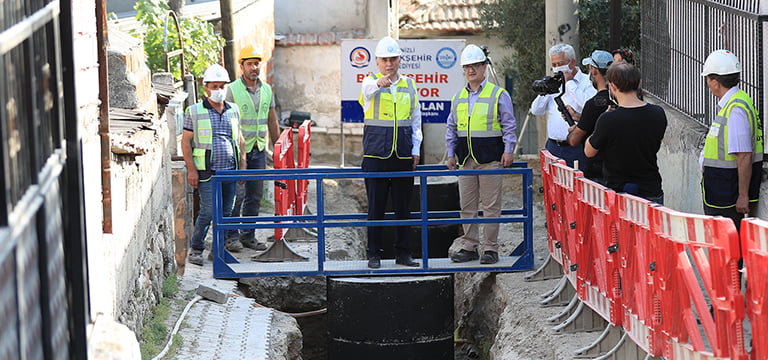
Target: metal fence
{"points": [[677, 36], [43, 289]]}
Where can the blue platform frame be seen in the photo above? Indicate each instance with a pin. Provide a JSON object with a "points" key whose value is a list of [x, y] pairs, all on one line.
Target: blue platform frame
{"points": [[226, 266]]}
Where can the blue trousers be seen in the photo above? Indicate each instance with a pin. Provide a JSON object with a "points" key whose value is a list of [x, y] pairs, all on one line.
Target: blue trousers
{"points": [[248, 196], [205, 216]]}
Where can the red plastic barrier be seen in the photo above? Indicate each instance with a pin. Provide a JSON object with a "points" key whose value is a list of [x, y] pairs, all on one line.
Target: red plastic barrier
{"points": [[597, 257], [285, 191], [696, 258], [635, 259], [754, 244], [546, 159], [564, 211], [302, 185]]}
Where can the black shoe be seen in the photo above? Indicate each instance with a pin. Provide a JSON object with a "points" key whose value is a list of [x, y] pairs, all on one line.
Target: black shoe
{"points": [[374, 262], [464, 256], [195, 257], [406, 260], [253, 244], [489, 257]]}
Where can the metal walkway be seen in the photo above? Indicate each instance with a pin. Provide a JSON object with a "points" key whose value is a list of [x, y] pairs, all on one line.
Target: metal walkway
{"points": [[226, 266]]}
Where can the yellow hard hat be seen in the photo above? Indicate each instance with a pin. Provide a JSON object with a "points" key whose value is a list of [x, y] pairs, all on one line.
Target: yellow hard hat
{"points": [[248, 52]]}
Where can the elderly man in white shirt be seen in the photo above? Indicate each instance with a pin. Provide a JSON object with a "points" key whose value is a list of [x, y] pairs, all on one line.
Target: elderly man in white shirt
{"points": [[578, 89]]}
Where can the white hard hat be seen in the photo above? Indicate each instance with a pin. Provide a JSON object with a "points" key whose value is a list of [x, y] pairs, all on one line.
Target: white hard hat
{"points": [[472, 54], [215, 72], [721, 62], [387, 47]]}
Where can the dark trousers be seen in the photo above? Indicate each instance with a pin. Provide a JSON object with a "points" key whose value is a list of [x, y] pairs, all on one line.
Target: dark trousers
{"points": [[567, 152], [378, 191], [730, 213]]}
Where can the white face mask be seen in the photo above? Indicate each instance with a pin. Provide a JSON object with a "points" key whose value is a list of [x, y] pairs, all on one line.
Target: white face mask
{"points": [[565, 69], [217, 95]]}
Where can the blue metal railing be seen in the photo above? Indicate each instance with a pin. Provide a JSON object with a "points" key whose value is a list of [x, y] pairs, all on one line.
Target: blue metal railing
{"points": [[227, 266]]}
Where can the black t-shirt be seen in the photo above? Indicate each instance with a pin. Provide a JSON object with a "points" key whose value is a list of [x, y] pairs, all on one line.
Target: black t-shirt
{"points": [[628, 139], [593, 108]]}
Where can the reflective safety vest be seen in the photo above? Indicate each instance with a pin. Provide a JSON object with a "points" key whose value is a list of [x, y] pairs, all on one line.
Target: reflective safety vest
{"points": [[388, 121], [202, 141], [253, 117], [720, 180], [479, 133]]}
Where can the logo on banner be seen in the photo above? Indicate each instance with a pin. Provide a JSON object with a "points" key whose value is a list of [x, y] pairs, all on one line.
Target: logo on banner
{"points": [[359, 57], [446, 58]]}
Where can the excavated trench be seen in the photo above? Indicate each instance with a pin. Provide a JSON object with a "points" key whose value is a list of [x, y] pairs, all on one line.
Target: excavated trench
{"points": [[488, 320]]}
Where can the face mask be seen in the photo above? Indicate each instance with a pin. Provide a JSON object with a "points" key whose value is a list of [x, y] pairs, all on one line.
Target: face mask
{"points": [[565, 69], [217, 95], [611, 99]]}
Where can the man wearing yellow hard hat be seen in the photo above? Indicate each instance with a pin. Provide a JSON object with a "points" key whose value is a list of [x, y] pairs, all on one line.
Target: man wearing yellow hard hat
{"points": [[258, 119]]}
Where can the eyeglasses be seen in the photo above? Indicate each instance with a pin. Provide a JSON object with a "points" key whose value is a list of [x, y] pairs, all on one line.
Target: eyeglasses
{"points": [[474, 66]]}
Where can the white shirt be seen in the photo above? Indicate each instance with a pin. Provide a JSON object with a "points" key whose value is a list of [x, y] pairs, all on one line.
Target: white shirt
{"points": [[369, 91], [577, 92]]}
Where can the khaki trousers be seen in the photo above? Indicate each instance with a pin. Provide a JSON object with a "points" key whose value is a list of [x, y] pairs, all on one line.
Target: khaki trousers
{"points": [[473, 191]]}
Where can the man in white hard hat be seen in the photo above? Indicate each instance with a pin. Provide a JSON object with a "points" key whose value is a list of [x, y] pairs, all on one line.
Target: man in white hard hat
{"points": [[480, 135], [578, 89], [391, 142], [733, 150], [211, 141], [259, 126]]}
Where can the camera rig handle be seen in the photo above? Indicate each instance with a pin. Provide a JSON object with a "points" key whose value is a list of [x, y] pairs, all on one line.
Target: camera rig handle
{"points": [[560, 104]]}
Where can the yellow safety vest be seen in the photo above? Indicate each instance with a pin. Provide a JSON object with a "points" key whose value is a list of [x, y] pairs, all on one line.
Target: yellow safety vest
{"points": [[479, 133], [388, 121], [202, 141], [253, 116]]}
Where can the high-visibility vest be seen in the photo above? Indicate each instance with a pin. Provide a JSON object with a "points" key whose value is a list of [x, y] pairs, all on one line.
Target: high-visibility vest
{"points": [[388, 121], [479, 133], [253, 117], [720, 180], [202, 141]]}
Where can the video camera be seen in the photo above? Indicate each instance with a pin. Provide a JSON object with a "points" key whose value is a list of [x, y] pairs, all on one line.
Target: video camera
{"points": [[553, 85]]}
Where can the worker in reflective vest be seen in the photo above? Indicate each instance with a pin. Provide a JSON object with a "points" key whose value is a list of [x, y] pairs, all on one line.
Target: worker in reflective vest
{"points": [[211, 141], [733, 150], [258, 119], [391, 142], [480, 134]]}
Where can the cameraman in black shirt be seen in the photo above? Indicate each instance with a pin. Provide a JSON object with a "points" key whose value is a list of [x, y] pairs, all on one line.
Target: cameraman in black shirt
{"points": [[597, 64]]}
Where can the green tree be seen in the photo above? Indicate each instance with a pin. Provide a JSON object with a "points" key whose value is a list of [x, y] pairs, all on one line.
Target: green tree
{"points": [[519, 23], [202, 46], [594, 26]]}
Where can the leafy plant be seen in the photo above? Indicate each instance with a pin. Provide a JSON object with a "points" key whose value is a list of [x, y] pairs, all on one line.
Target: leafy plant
{"points": [[202, 46], [594, 26], [519, 24]]}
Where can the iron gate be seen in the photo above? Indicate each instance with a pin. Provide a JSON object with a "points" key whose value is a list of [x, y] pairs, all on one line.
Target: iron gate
{"points": [[43, 287]]}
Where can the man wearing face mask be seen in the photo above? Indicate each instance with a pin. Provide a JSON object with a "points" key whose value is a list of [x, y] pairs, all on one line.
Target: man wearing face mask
{"points": [[258, 124], [629, 138], [211, 141], [578, 89], [598, 64], [391, 142]]}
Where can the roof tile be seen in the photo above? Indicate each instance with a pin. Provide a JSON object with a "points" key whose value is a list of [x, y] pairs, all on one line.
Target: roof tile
{"points": [[440, 15]]}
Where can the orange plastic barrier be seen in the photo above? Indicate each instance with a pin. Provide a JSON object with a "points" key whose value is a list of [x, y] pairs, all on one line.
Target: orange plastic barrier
{"points": [[696, 258], [302, 162], [754, 245], [635, 260], [546, 159], [597, 257], [285, 191], [564, 211]]}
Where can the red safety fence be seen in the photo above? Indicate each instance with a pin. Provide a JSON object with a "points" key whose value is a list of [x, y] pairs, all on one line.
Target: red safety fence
{"points": [[553, 230], [285, 191], [564, 211], [754, 245], [596, 249], [655, 271], [302, 185]]}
